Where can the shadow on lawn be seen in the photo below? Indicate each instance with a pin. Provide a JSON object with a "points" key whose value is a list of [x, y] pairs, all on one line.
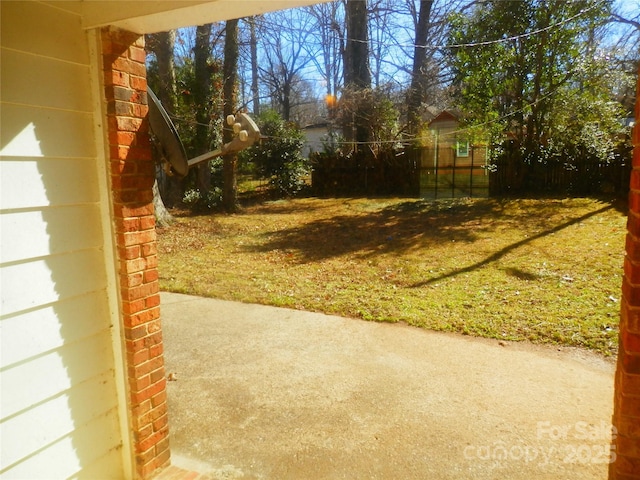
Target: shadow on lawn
{"points": [[410, 225], [502, 252], [395, 228]]}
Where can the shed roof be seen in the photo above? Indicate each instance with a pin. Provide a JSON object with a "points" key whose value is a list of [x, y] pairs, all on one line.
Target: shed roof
{"points": [[446, 116]]}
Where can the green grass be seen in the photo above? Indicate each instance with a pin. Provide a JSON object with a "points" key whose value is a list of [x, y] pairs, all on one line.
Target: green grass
{"points": [[541, 270]]}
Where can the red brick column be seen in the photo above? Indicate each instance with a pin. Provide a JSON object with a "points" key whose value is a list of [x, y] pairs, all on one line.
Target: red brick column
{"points": [[626, 415], [132, 178]]}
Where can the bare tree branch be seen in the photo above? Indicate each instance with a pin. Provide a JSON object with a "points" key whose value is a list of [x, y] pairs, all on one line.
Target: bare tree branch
{"points": [[617, 18]]}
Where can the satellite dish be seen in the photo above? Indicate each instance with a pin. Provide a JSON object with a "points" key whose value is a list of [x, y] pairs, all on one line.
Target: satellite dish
{"points": [[168, 140]]}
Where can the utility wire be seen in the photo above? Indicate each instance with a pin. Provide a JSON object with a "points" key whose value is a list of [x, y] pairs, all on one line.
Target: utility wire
{"points": [[461, 131], [523, 35], [469, 44], [437, 47], [401, 141]]}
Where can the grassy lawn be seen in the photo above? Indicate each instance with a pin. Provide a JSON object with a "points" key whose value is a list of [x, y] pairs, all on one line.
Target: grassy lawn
{"points": [[543, 270]]}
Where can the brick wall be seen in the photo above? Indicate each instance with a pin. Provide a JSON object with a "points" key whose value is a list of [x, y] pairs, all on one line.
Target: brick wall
{"points": [[132, 177], [626, 416]]}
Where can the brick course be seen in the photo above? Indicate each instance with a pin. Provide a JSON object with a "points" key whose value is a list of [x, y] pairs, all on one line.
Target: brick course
{"points": [[626, 414], [132, 177]]}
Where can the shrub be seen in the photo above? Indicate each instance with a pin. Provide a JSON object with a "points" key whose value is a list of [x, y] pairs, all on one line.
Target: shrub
{"points": [[196, 202], [279, 156]]}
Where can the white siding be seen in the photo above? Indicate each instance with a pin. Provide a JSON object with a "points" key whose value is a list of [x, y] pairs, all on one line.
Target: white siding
{"points": [[60, 416]]}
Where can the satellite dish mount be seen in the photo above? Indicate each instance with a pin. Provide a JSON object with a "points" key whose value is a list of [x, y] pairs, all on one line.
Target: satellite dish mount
{"points": [[168, 143]]}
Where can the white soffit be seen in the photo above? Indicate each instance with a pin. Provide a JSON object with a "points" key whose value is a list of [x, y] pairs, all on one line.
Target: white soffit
{"points": [[158, 16]]}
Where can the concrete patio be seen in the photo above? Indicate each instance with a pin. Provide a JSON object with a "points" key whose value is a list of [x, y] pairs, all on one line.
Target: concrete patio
{"points": [[268, 393]]}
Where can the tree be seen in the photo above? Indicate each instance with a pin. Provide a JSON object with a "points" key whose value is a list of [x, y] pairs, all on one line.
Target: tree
{"points": [[511, 65], [230, 74], [357, 76], [330, 31], [417, 89], [356, 54], [381, 14], [162, 215], [628, 18], [377, 108], [253, 46], [194, 106], [513, 61], [624, 52], [201, 97], [287, 52], [161, 45], [279, 157]]}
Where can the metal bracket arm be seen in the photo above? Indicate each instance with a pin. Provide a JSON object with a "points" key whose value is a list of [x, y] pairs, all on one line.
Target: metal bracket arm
{"points": [[246, 134]]}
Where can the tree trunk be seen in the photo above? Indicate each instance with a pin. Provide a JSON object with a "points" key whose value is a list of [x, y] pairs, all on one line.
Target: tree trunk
{"points": [[163, 44], [201, 97], [230, 72], [171, 189], [253, 44], [163, 217], [356, 56], [286, 99], [417, 90], [357, 76]]}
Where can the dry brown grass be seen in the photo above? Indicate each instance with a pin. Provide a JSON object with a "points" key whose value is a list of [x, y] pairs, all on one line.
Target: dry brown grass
{"points": [[543, 270]]}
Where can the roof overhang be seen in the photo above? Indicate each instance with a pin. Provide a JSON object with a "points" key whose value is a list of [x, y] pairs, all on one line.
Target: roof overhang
{"points": [[157, 16]]}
